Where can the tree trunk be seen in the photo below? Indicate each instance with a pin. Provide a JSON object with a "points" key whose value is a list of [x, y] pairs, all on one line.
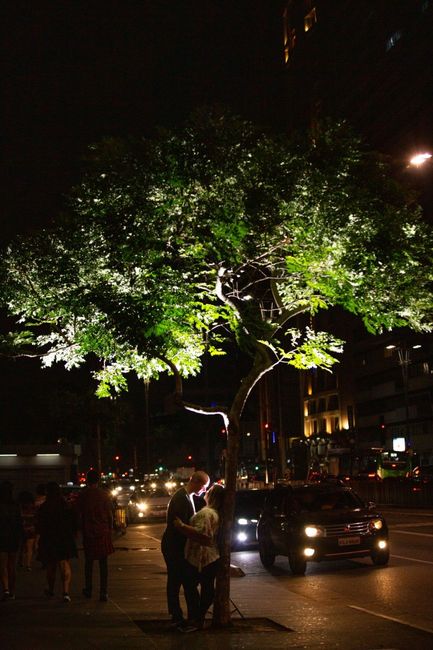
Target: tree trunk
{"points": [[221, 611]]}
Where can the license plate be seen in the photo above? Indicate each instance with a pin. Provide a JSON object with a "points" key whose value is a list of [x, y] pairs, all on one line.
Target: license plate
{"points": [[349, 541]]}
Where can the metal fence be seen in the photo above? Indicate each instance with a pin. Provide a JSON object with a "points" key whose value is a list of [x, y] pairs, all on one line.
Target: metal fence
{"points": [[395, 493]]}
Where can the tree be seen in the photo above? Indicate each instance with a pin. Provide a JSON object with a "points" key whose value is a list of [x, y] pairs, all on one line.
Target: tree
{"points": [[219, 232]]}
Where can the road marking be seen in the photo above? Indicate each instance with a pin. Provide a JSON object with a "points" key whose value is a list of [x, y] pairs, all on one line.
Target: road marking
{"points": [[410, 532], [155, 539], [391, 618], [408, 513], [411, 559], [419, 525]]}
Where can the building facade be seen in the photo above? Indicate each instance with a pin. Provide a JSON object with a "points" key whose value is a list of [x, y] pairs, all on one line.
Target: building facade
{"points": [[369, 64]]}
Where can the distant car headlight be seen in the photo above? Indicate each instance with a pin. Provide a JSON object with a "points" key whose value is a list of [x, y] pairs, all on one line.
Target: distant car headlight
{"points": [[375, 524], [242, 537], [113, 493], [313, 531], [142, 506], [243, 522]]}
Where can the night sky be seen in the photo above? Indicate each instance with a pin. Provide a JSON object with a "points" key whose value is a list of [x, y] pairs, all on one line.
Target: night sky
{"points": [[76, 71]]}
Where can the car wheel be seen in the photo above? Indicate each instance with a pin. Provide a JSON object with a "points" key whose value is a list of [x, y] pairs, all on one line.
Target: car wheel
{"points": [[380, 558], [297, 564], [266, 558]]}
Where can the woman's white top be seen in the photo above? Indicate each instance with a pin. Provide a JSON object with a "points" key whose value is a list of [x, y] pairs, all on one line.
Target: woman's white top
{"points": [[205, 521]]}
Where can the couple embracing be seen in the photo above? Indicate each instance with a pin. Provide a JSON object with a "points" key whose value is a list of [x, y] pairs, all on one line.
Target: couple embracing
{"points": [[190, 549]]}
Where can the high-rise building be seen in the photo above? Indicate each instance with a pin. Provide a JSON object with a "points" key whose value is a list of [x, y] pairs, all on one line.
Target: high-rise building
{"points": [[369, 63]]}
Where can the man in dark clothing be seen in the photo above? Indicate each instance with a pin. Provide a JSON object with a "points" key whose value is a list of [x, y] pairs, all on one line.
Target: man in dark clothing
{"points": [[96, 510], [173, 546]]}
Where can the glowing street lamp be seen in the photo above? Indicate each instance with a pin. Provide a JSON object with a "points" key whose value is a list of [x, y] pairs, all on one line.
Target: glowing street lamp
{"points": [[420, 159]]}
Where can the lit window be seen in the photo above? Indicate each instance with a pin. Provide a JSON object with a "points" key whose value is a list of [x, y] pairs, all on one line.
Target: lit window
{"points": [[393, 40], [310, 20], [289, 37]]}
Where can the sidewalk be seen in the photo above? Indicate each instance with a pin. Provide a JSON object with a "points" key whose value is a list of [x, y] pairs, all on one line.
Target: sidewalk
{"points": [[136, 617]]}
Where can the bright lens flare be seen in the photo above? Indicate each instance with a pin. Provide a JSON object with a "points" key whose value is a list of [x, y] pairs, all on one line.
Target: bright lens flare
{"points": [[419, 159]]}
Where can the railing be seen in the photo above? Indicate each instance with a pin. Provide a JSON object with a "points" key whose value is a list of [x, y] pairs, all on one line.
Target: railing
{"points": [[387, 492], [395, 493]]}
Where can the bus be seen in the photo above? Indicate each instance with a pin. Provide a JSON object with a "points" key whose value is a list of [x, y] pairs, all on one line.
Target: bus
{"points": [[371, 464]]}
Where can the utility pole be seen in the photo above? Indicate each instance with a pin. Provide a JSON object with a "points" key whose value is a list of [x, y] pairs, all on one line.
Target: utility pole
{"points": [[404, 361], [98, 447], [147, 425]]}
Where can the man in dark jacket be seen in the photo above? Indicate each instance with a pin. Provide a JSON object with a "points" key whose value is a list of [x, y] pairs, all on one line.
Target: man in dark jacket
{"points": [[173, 546], [96, 510]]}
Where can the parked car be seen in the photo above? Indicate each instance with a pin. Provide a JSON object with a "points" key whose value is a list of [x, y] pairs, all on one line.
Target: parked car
{"points": [[148, 504], [121, 491], [248, 506], [320, 522]]}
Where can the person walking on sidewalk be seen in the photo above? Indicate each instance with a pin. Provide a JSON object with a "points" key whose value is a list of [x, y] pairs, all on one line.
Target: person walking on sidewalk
{"points": [[96, 510], [11, 532], [179, 572], [205, 558], [28, 517], [56, 524]]}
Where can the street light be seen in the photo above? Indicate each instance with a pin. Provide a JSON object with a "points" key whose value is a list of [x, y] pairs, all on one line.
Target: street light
{"points": [[420, 159]]}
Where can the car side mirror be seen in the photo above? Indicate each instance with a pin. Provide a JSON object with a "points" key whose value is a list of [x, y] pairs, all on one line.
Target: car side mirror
{"points": [[371, 505]]}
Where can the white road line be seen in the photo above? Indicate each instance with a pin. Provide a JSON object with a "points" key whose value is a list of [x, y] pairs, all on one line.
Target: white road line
{"points": [[410, 532], [408, 513], [411, 559], [391, 618], [155, 539], [424, 524]]}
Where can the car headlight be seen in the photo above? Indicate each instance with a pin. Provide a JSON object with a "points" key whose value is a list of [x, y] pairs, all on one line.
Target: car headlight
{"points": [[375, 524], [142, 507], [313, 531], [242, 537], [242, 521]]}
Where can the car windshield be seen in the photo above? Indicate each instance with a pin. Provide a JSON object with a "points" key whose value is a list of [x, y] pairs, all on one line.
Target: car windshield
{"points": [[313, 501]]}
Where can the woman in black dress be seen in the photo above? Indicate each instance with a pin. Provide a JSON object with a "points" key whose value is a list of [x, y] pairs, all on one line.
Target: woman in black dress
{"points": [[10, 537], [57, 526]]}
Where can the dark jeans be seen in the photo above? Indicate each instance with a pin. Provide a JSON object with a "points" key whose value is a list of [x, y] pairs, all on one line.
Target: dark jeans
{"points": [[103, 574], [206, 579], [180, 574]]}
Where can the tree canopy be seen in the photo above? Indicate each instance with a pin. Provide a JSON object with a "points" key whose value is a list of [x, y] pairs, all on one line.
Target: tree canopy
{"points": [[176, 244]]}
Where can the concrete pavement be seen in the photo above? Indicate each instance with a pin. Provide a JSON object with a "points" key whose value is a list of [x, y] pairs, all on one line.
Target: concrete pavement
{"points": [[135, 615]]}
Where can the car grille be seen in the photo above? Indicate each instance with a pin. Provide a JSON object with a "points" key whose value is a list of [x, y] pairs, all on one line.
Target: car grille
{"points": [[354, 528]]}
